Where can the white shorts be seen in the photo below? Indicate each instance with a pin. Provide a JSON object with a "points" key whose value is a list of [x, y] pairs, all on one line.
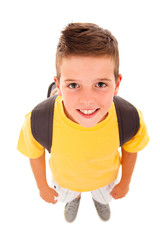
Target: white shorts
{"points": [[101, 195]]}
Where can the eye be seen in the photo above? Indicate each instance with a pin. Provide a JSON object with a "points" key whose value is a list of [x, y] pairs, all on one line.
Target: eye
{"points": [[73, 85], [101, 85]]}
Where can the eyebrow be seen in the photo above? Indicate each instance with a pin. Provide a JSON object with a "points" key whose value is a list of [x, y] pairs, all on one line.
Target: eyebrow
{"points": [[70, 80], [103, 79], [98, 79]]}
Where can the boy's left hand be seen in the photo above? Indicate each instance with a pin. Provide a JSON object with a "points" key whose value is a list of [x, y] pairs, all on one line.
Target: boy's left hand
{"points": [[120, 191]]}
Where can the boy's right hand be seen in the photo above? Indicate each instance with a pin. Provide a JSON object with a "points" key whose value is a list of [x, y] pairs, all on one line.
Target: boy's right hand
{"points": [[48, 194]]}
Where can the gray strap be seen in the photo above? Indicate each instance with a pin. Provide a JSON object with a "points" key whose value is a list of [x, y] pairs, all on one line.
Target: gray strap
{"points": [[42, 122], [128, 119]]}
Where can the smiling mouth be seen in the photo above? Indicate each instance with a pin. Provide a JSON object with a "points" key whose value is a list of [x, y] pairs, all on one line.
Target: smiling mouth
{"points": [[88, 112]]}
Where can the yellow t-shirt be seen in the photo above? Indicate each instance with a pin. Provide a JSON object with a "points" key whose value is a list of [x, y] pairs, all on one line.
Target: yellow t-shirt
{"points": [[82, 159]]}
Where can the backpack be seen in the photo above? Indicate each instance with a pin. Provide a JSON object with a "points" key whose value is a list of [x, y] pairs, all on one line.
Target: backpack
{"points": [[42, 119]]}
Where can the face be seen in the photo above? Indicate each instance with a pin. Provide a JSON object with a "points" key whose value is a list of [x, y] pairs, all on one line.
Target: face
{"points": [[87, 85]]}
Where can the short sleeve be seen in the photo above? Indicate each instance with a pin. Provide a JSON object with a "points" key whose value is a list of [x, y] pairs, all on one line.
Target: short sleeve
{"points": [[27, 145], [140, 140]]}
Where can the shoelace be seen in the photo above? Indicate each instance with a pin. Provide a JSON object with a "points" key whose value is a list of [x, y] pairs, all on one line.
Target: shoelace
{"points": [[101, 207], [72, 207]]}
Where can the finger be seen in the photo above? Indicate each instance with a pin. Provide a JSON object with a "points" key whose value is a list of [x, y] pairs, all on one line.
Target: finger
{"points": [[114, 194], [56, 194], [54, 201]]}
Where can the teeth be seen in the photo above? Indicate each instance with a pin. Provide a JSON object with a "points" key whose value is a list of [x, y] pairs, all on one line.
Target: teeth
{"points": [[87, 112]]}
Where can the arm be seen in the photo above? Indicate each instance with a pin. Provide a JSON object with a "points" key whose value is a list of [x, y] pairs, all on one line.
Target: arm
{"points": [[128, 164], [38, 166]]}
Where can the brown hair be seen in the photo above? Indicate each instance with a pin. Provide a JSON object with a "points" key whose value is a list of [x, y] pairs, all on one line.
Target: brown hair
{"points": [[87, 39]]}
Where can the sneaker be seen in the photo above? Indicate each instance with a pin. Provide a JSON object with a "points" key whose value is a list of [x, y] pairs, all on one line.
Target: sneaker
{"points": [[103, 210], [71, 210]]}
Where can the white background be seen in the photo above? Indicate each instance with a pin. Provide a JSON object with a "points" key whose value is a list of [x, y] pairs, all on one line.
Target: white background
{"points": [[29, 35]]}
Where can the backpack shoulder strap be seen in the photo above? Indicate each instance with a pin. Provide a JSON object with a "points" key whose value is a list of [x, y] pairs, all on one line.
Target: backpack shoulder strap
{"points": [[128, 119], [42, 122], [52, 90]]}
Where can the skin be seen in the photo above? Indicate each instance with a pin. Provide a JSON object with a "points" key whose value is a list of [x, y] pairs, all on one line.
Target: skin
{"points": [[38, 166], [86, 83]]}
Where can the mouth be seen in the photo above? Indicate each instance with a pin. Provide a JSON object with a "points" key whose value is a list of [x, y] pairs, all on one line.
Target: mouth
{"points": [[88, 113]]}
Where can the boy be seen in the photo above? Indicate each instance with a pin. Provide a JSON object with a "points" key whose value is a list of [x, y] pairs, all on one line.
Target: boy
{"points": [[84, 151]]}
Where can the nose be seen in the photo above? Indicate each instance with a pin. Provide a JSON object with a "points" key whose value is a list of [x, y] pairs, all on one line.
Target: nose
{"points": [[87, 97]]}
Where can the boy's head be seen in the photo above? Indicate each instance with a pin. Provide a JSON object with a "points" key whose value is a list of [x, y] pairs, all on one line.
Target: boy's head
{"points": [[87, 39], [87, 62]]}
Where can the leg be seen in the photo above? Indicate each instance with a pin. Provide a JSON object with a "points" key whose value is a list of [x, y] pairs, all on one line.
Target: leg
{"points": [[71, 198], [101, 198]]}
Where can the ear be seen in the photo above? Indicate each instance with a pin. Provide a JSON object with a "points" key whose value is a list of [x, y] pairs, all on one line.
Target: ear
{"points": [[118, 84], [58, 86]]}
